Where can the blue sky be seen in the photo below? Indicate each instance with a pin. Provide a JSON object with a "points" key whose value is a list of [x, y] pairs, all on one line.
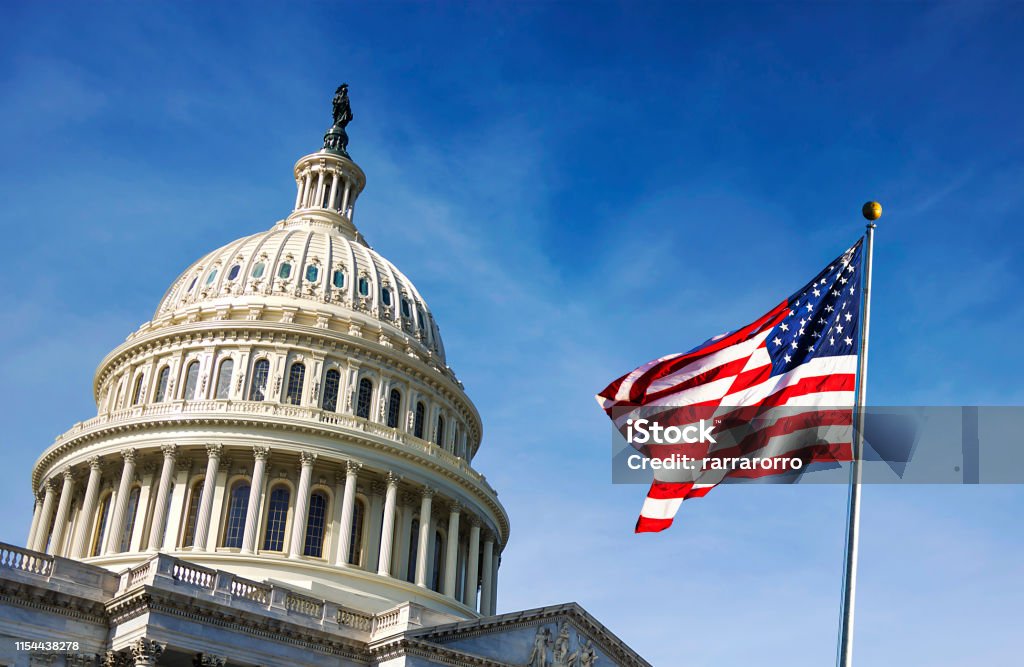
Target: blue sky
{"points": [[575, 189]]}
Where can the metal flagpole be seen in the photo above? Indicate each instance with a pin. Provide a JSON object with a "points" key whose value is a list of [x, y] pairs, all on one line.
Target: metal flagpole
{"points": [[872, 211]]}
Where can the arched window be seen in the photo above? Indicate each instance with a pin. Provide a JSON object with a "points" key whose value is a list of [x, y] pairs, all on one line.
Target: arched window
{"points": [[364, 286], [394, 405], [355, 549], [100, 534], [227, 367], [331, 384], [130, 513], [161, 384], [435, 575], [315, 522], [338, 279], [238, 505], [277, 518], [233, 272], [295, 378], [385, 296], [257, 271], [260, 371], [195, 496], [137, 392], [365, 396], [414, 550], [439, 431], [312, 273], [417, 424], [191, 381], [284, 271]]}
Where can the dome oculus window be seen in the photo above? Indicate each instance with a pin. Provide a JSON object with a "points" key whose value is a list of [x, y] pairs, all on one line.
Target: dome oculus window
{"points": [[338, 280], [364, 286], [312, 273], [233, 272], [285, 271], [257, 271], [210, 278]]}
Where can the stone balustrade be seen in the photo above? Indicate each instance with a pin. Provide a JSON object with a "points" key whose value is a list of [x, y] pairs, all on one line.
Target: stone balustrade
{"points": [[332, 421]]}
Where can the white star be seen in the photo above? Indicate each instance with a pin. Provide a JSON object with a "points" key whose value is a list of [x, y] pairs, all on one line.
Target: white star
{"points": [[817, 292], [848, 340], [835, 293], [784, 326], [839, 328], [849, 267], [842, 280], [851, 289], [802, 321], [810, 348], [849, 317], [829, 308], [831, 340], [809, 308], [801, 331], [793, 345], [821, 320], [788, 358], [777, 341]]}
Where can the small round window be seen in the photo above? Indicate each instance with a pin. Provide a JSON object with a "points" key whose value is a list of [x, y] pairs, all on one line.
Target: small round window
{"points": [[233, 272], [339, 279], [257, 271], [406, 308], [210, 278], [385, 296], [364, 286], [312, 273], [285, 271]]}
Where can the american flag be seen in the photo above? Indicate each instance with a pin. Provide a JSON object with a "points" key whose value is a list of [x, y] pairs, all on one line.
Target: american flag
{"points": [[791, 373]]}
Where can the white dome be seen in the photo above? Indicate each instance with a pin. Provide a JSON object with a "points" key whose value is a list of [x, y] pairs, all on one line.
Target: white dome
{"points": [[312, 265]]}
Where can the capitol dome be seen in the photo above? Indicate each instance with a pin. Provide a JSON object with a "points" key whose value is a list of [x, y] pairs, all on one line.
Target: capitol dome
{"points": [[286, 416]]}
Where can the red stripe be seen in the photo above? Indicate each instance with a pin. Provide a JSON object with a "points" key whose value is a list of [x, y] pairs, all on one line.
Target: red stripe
{"points": [[811, 385], [648, 525], [668, 490], [728, 368]]}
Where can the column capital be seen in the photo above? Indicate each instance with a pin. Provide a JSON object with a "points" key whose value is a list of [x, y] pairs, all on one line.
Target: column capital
{"points": [[68, 474], [50, 484], [455, 507], [170, 451], [474, 521], [129, 455], [307, 458], [427, 492], [94, 463], [260, 453], [214, 451], [392, 479], [352, 467], [208, 660], [146, 651]]}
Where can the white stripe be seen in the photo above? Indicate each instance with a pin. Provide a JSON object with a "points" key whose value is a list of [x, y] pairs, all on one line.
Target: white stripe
{"points": [[817, 367], [660, 508], [623, 393], [704, 364]]}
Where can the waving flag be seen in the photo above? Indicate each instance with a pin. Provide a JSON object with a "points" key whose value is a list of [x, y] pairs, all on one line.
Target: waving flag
{"points": [[781, 386]]}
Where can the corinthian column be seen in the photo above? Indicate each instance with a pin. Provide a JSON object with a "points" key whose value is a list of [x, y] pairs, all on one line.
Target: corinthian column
{"points": [[347, 510], [60, 522], [486, 591], [42, 532], [424, 543], [252, 511], [452, 552], [117, 522], [37, 511], [301, 505], [146, 652], [163, 491], [85, 522], [472, 564], [387, 531], [206, 500]]}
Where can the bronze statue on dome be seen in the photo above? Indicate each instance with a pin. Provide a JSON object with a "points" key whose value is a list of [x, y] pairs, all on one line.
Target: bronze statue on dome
{"points": [[342, 108]]}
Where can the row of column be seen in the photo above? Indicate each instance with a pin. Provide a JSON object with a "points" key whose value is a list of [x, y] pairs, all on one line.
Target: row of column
{"points": [[481, 564], [311, 191]]}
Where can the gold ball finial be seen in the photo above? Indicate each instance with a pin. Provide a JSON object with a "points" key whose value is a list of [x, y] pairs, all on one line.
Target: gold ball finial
{"points": [[872, 211]]}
